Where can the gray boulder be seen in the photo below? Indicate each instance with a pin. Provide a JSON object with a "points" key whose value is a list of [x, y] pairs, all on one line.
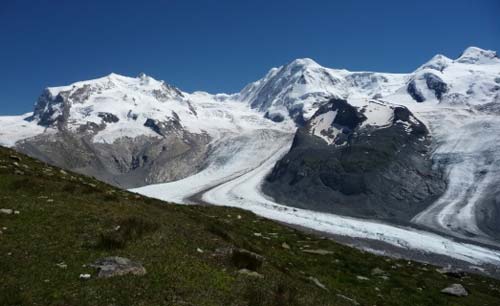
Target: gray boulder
{"points": [[247, 272], [117, 266], [455, 290]]}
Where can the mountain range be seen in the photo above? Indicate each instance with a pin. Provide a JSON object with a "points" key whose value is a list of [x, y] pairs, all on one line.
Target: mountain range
{"points": [[382, 156]]}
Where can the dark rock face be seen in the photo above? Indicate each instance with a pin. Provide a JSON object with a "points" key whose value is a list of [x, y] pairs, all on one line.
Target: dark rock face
{"points": [[49, 110], [274, 117], [162, 128], [414, 92], [432, 81], [383, 173], [347, 115], [436, 84], [126, 162], [108, 117], [346, 120]]}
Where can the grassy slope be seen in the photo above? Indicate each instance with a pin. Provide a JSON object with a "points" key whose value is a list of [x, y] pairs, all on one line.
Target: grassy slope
{"points": [[70, 218]]}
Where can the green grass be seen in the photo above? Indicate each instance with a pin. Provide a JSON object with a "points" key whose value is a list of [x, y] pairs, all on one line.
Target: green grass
{"points": [[65, 217]]}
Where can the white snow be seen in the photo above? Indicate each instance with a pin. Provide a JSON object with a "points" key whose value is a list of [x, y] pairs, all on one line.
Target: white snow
{"points": [[15, 128], [378, 114], [321, 126]]}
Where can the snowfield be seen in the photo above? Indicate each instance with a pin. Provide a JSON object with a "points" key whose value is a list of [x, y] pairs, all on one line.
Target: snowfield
{"points": [[14, 128]]}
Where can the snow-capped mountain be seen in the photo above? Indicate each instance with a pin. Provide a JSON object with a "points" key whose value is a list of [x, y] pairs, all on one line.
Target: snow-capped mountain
{"points": [[219, 148], [300, 87], [128, 131]]}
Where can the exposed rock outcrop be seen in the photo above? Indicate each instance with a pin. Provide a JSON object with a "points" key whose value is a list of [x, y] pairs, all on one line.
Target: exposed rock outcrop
{"points": [[356, 169]]}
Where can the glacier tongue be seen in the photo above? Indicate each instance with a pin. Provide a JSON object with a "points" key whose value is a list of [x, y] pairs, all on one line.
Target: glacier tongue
{"points": [[468, 146], [232, 156]]}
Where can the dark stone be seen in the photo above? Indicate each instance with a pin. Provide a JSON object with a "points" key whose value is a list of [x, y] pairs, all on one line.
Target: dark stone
{"points": [[347, 115], [436, 84], [244, 259], [162, 128], [274, 117], [131, 115], [108, 117], [153, 124], [414, 92]]}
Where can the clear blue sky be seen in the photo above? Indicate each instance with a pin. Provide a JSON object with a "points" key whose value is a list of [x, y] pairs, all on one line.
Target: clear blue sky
{"points": [[221, 45]]}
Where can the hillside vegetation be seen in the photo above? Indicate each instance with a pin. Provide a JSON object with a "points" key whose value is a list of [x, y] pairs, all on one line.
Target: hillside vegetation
{"points": [[55, 224]]}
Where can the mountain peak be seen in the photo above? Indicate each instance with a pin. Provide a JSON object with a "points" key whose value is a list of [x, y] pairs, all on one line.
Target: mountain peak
{"points": [[437, 62], [475, 55], [114, 75], [303, 62]]}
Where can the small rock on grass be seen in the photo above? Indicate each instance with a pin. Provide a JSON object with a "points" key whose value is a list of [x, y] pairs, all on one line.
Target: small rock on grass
{"points": [[352, 301], [250, 273], [455, 290], [315, 281], [285, 246], [317, 252], [6, 211], [117, 266], [84, 276], [377, 272]]}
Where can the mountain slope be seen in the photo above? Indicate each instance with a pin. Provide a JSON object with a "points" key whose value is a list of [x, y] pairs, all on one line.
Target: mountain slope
{"points": [[184, 250]]}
